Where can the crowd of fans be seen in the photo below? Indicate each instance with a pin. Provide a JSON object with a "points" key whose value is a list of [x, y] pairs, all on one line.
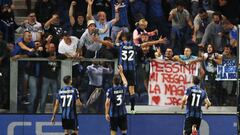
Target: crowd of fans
{"points": [[190, 31]]}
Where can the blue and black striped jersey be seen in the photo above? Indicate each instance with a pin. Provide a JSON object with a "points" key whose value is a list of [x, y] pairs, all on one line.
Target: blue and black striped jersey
{"points": [[127, 54], [117, 94], [196, 97], [67, 97]]}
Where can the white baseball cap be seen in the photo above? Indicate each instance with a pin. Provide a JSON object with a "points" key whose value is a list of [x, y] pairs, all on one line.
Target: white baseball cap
{"points": [[90, 22]]}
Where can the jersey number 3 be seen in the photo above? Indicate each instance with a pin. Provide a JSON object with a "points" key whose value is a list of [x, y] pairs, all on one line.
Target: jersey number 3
{"points": [[119, 100]]}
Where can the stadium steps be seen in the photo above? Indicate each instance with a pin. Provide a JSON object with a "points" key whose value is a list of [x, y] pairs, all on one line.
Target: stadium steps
{"points": [[20, 10]]}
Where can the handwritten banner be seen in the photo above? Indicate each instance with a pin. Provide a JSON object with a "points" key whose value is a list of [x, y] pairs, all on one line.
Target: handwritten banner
{"points": [[168, 81], [228, 70]]}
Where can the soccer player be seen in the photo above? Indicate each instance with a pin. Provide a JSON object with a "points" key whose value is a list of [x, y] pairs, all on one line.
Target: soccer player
{"points": [[115, 109], [128, 52], [194, 97], [68, 98]]}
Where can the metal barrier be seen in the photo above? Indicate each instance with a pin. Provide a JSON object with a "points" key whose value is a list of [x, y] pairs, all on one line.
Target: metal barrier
{"points": [[66, 69]]}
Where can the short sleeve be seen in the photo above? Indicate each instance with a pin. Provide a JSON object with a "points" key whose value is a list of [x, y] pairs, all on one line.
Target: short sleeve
{"points": [[108, 93], [187, 92]]}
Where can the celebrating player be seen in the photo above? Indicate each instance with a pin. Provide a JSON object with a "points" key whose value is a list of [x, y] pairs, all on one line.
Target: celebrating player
{"points": [[115, 109], [68, 97], [194, 97]]}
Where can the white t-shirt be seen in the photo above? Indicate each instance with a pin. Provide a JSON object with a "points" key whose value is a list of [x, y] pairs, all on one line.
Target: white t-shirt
{"points": [[71, 49]]}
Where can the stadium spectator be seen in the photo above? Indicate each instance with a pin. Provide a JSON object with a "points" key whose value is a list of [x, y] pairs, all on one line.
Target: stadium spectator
{"points": [[25, 47], [123, 23], [227, 56], [4, 73], [91, 41], [187, 57], [210, 61], [33, 71], [7, 23], [44, 10], [50, 74], [213, 33], [103, 26], [54, 28], [102, 6], [141, 28], [96, 73], [202, 19], [78, 24], [168, 54], [33, 26], [231, 32], [180, 19], [68, 48]]}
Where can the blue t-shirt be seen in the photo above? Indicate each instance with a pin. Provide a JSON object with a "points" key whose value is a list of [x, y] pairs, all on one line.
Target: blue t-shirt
{"points": [[196, 97], [117, 94], [18, 51], [67, 97]]}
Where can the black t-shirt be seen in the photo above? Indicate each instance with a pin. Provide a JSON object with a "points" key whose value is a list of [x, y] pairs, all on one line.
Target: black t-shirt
{"points": [[56, 30], [78, 30]]}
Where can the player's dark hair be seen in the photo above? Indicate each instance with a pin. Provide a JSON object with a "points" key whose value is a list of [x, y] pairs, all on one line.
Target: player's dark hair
{"points": [[117, 80], [217, 14], [67, 79], [196, 80]]}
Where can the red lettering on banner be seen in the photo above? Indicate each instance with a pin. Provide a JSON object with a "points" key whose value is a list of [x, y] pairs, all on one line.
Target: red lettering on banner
{"points": [[156, 99], [153, 76], [174, 90], [174, 78], [173, 101], [155, 89]]}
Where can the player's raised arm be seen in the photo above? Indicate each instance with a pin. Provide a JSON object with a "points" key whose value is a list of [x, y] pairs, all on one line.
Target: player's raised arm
{"points": [[54, 111], [120, 70]]}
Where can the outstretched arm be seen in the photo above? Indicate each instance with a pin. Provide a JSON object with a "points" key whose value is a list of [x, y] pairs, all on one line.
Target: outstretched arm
{"points": [[89, 10], [161, 40], [116, 19], [70, 13]]}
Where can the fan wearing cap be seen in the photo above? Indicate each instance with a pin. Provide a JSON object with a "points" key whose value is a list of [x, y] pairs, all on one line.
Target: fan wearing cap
{"points": [[102, 24], [91, 40]]}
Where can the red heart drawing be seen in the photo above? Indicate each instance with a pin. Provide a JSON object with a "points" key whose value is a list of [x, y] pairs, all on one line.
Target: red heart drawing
{"points": [[156, 99]]}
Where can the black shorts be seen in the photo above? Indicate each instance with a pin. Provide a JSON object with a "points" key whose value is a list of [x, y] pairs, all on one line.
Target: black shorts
{"points": [[189, 123], [120, 122], [70, 124], [130, 76]]}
